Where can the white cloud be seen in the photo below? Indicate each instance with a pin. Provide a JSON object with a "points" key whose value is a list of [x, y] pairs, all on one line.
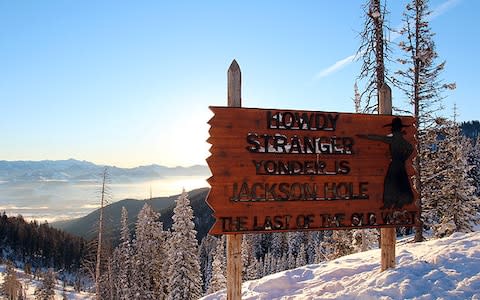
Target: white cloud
{"points": [[335, 67], [444, 7], [340, 64]]}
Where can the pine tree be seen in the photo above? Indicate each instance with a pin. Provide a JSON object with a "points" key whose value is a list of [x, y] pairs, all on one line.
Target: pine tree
{"points": [[474, 161], [184, 273], [420, 81], [218, 280], [457, 206], [301, 259], [11, 287], [321, 252], [433, 154], [148, 267], [294, 240], [46, 290], [268, 265], [206, 253], [279, 245], [122, 260], [335, 244], [314, 240], [248, 257], [364, 239]]}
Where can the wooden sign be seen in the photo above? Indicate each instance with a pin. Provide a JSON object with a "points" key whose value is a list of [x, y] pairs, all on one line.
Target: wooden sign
{"points": [[288, 170]]}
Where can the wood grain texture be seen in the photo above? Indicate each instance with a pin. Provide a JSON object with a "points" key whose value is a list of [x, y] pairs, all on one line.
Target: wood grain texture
{"points": [[252, 183], [234, 267], [234, 242], [388, 236]]}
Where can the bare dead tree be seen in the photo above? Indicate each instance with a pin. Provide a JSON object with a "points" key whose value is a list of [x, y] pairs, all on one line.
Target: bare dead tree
{"points": [[374, 52], [104, 195]]}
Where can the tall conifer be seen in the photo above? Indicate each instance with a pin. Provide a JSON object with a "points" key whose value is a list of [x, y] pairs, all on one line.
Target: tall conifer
{"points": [[185, 280]]}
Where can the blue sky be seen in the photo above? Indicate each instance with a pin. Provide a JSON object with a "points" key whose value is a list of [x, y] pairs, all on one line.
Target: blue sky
{"points": [[129, 83]]}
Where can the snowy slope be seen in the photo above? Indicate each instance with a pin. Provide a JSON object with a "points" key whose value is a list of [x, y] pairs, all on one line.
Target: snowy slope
{"points": [[30, 285], [446, 268]]}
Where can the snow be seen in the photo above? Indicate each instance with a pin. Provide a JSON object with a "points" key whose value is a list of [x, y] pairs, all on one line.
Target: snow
{"points": [[447, 268], [31, 285]]}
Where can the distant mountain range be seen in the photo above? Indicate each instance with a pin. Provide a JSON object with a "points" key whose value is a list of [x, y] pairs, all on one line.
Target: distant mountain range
{"points": [[73, 170], [86, 226]]}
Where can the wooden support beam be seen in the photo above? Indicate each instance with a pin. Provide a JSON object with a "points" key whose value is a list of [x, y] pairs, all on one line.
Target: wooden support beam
{"points": [[234, 85], [388, 236], [234, 266], [234, 241]]}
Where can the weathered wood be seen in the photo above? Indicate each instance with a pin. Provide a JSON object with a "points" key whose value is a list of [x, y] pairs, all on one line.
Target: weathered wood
{"points": [[234, 267], [234, 87], [252, 185], [387, 235], [385, 100], [388, 240], [234, 242]]}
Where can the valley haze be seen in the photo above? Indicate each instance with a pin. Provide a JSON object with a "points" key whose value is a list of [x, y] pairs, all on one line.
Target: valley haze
{"points": [[52, 190]]}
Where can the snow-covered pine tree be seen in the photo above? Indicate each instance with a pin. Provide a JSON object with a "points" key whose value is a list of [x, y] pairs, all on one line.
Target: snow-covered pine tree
{"points": [[433, 154], [458, 203], [474, 161], [267, 264], [301, 259], [420, 79], [294, 241], [255, 270], [122, 263], [46, 290], [343, 242], [185, 279], [149, 260], [217, 280], [206, 253], [364, 239], [321, 252], [314, 238], [248, 257], [11, 287], [259, 245], [336, 244], [280, 264], [279, 245]]}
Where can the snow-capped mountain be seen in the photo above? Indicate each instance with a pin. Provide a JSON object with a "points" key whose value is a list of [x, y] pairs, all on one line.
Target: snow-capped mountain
{"points": [[76, 170]]}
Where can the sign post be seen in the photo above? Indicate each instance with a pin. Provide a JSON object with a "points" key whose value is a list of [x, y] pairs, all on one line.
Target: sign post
{"points": [[234, 242], [388, 237]]}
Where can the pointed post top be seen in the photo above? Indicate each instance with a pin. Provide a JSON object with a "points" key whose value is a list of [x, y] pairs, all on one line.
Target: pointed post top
{"points": [[234, 66], [234, 78], [385, 100]]}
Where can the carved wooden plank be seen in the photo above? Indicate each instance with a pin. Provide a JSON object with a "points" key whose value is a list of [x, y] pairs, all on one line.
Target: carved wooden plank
{"points": [[268, 163]]}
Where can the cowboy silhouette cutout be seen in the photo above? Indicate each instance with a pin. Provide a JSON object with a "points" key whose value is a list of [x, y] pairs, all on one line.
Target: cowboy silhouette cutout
{"points": [[397, 190]]}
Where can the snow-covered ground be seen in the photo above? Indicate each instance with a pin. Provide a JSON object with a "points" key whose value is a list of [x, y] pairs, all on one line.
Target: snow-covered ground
{"points": [[447, 268], [30, 285]]}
